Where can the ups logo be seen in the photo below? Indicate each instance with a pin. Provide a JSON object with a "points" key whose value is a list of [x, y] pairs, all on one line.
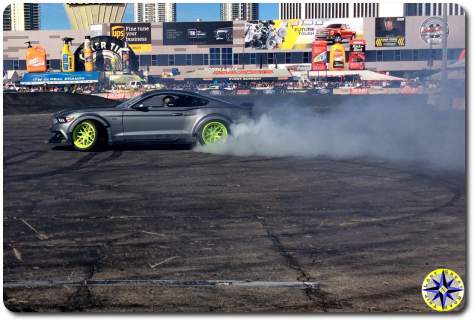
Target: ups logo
{"points": [[118, 32]]}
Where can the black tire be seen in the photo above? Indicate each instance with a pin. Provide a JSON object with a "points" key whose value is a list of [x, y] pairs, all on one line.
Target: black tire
{"points": [[337, 39], [201, 138]]}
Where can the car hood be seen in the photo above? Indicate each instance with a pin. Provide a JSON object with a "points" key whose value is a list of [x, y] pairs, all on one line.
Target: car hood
{"points": [[86, 109]]}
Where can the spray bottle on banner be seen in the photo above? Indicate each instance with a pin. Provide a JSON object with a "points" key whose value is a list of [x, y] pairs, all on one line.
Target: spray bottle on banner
{"points": [[67, 57], [87, 54]]}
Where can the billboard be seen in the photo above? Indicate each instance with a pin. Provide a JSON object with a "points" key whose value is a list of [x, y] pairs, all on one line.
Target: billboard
{"points": [[198, 33], [137, 35], [300, 34], [390, 32]]}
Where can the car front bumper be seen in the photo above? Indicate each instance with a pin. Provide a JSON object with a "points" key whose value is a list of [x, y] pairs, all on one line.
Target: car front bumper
{"points": [[59, 132]]}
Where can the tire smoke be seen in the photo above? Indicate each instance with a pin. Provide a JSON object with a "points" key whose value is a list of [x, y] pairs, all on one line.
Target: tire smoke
{"points": [[388, 131]]}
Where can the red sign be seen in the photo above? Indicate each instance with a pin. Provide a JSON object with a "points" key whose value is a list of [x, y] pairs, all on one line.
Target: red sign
{"points": [[243, 72], [357, 57], [319, 55]]}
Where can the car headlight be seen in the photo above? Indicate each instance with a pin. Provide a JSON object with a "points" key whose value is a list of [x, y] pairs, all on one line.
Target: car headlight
{"points": [[65, 119]]}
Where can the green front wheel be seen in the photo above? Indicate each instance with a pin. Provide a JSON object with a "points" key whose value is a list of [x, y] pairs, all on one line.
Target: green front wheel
{"points": [[85, 136], [212, 132]]}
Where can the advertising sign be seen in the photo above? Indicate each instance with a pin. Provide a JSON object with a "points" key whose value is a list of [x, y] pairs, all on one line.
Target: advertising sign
{"points": [[357, 58], [198, 33], [137, 35], [432, 31], [107, 55], [337, 57], [60, 78], [390, 32], [319, 55], [299, 34]]}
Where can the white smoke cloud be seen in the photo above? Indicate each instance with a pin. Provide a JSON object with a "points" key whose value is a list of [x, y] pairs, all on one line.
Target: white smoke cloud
{"points": [[390, 132]]}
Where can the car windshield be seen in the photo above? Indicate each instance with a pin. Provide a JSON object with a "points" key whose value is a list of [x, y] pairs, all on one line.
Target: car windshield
{"points": [[334, 25]]}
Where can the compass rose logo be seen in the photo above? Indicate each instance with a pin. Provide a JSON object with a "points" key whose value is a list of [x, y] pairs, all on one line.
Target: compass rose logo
{"points": [[443, 290]]}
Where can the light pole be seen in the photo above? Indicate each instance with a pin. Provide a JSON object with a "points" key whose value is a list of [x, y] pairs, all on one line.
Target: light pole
{"points": [[443, 78]]}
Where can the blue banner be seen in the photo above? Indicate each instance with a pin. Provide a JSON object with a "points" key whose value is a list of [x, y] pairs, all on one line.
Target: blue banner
{"points": [[60, 78]]}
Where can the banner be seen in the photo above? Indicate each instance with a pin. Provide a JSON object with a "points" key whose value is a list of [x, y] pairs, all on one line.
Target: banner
{"points": [[319, 55], [299, 34], [137, 35], [198, 33], [337, 57], [60, 78], [357, 57], [390, 32]]}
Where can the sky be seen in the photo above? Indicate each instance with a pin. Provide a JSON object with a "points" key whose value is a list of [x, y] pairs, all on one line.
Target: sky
{"points": [[185, 12]]}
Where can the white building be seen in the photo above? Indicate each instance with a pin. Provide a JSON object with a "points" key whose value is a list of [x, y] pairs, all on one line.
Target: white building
{"points": [[239, 11], [21, 16], [293, 10], [154, 12]]}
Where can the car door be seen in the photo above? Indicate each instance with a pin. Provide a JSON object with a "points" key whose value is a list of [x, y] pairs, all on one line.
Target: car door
{"points": [[152, 120]]}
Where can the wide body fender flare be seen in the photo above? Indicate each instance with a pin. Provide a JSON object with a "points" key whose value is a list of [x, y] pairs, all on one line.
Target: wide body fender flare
{"points": [[210, 117], [91, 117]]}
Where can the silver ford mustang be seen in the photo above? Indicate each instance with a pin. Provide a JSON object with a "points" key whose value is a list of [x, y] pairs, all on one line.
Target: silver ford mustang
{"points": [[153, 117]]}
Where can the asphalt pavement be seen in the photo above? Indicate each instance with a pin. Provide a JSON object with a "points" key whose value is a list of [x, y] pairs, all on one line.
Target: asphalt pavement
{"points": [[168, 229]]}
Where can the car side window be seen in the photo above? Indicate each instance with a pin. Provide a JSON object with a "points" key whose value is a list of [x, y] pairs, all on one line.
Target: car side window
{"points": [[190, 101], [152, 102]]}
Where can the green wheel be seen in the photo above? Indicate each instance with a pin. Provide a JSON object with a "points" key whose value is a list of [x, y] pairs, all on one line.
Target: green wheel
{"points": [[85, 136], [212, 132]]}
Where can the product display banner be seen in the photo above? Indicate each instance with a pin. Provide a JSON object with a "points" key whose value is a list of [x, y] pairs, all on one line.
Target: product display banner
{"points": [[300, 33], [198, 33]]}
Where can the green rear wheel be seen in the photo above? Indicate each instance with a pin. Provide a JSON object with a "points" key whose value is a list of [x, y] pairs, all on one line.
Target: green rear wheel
{"points": [[213, 132], [85, 136]]}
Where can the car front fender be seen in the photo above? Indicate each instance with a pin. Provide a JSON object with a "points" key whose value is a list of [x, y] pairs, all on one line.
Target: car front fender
{"points": [[92, 117]]}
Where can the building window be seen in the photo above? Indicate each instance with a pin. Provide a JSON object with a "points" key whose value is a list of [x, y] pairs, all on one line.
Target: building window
{"points": [[306, 57], [227, 56], [236, 59], [397, 55], [188, 59], [270, 58], [205, 59], [171, 60], [214, 56], [154, 60], [288, 58], [415, 54], [379, 55], [15, 65], [253, 58]]}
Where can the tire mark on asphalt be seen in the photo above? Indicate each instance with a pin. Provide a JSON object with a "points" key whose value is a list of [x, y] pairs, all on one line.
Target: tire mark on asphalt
{"points": [[79, 164], [27, 156]]}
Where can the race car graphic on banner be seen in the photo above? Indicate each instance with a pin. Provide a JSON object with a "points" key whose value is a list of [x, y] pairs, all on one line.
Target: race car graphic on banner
{"points": [[390, 32], [300, 34]]}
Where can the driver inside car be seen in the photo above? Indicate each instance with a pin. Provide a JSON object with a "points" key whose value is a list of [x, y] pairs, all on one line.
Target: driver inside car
{"points": [[168, 101]]}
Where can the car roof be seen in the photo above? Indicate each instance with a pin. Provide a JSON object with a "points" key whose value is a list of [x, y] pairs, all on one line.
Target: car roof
{"points": [[183, 92]]}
